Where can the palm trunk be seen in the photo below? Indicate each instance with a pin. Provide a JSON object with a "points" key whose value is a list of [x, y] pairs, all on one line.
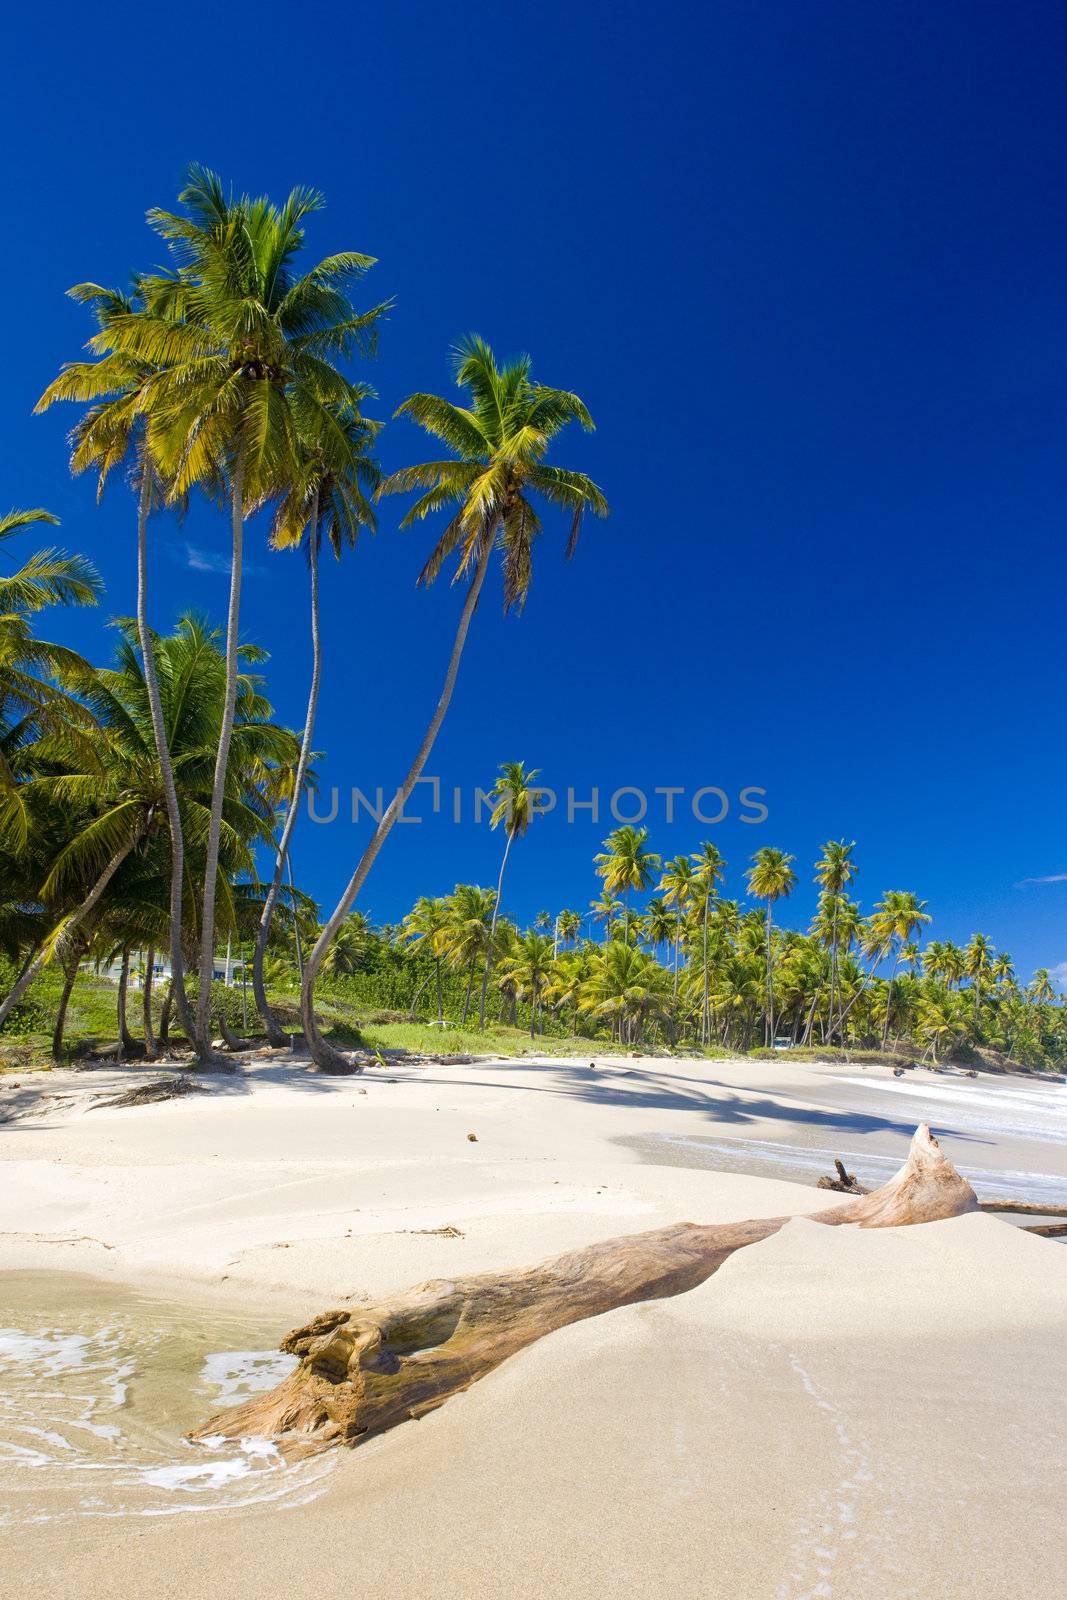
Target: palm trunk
{"points": [[492, 931], [705, 1020], [467, 996], [770, 982], [146, 1004], [440, 997], [73, 962], [164, 1016], [889, 1000], [296, 918], [211, 865], [325, 1057], [69, 928], [159, 731], [126, 1047], [833, 970], [677, 948], [274, 1032]]}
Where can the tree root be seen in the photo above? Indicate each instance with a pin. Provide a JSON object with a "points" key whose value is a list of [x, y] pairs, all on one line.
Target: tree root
{"points": [[363, 1371]]}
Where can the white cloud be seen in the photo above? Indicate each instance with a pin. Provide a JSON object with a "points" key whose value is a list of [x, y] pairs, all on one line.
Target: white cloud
{"points": [[1058, 974], [1053, 877], [205, 561]]}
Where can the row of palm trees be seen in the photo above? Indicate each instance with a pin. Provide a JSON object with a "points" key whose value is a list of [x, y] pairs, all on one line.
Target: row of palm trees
{"points": [[690, 965], [227, 375]]}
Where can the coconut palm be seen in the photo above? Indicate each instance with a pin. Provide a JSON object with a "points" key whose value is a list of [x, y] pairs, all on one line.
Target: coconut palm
{"points": [[771, 878], [834, 871], [978, 956], [111, 434], [606, 910], [514, 797], [469, 933], [500, 440], [625, 864], [325, 498], [676, 886], [897, 918], [230, 334], [105, 813], [427, 925], [528, 967], [568, 926], [709, 869]]}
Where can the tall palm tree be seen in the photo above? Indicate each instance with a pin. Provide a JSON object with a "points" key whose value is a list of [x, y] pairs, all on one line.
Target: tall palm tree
{"points": [[979, 956], [500, 440], [514, 797], [834, 871], [895, 921], [324, 498], [605, 910], [771, 878], [569, 926], [709, 868], [230, 333], [427, 924], [528, 969], [106, 812], [110, 434], [676, 887], [625, 864], [471, 930]]}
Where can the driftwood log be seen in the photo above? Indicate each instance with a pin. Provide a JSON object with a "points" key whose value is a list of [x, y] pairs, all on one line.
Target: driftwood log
{"points": [[365, 1370]]}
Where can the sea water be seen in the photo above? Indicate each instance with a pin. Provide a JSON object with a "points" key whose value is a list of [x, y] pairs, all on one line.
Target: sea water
{"points": [[98, 1385]]}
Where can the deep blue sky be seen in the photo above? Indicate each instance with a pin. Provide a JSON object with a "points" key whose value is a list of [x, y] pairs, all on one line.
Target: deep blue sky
{"points": [[805, 263]]}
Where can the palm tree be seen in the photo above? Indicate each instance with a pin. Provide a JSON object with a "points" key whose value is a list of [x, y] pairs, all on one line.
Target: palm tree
{"points": [[568, 926], [514, 796], [676, 886], [349, 950], [897, 918], [834, 871], [471, 928], [625, 864], [324, 498], [708, 874], [427, 924], [500, 441], [771, 878], [98, 815], [978, 956], [527, 968], [605, 910], [626, 986], [230, 335], [111, 433]]}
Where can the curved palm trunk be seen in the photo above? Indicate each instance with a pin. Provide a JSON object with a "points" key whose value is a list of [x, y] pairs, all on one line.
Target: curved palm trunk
{"points": [[492, 932], [202, 1037], [159, 731], [146, 1005], [71, 973], [69, 928], [274, 1032], [296, 917], [889, 1000], [325, 1057]]}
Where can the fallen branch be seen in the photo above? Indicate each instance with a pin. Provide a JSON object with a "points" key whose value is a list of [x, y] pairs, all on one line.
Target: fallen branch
{"points": [[1023, 1208], [146, 1094], [844, 1183], [365, 1370]]}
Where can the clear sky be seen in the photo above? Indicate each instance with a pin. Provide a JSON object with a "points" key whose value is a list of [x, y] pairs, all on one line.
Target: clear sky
{"points": [[806, 265]]}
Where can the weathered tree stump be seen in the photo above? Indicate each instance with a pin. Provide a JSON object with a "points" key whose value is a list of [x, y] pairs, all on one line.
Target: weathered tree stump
{"points": [[365, 1370]]}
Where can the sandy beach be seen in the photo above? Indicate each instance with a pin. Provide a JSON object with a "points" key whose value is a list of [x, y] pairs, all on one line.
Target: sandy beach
{"points": [[842, 1412]]}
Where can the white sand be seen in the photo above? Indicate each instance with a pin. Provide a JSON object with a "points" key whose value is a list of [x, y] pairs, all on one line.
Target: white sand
{"points": [[837, 1413]]}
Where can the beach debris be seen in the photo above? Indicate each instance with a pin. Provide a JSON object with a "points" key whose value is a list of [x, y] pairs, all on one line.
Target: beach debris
{"points": [[473, 1137], [146, 1094], [365, 1370], [449, 1231], [844, 1183]]}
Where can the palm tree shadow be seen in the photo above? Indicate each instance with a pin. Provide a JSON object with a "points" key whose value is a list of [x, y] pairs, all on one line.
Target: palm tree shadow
{"points": [[710, 1101]]}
